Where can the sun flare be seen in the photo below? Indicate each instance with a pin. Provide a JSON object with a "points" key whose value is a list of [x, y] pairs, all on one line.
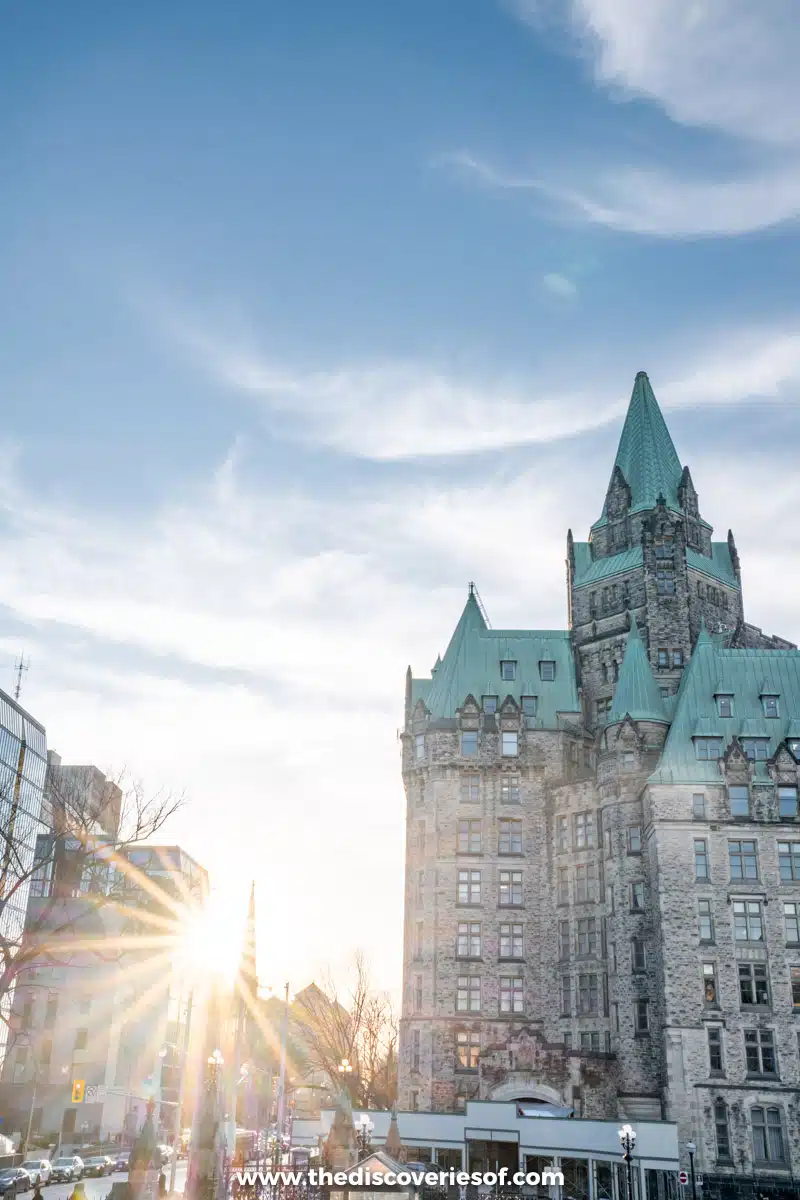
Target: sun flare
{"points": [[210, 939]]}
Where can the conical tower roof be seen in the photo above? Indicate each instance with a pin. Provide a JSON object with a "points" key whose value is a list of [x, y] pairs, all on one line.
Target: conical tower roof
{"points": [[471, 624], [646, 455], [637, 695]]}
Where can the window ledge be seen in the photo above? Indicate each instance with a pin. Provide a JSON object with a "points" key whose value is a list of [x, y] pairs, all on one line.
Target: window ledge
{"points": [[762, 1078], [504, 906], [469, 958], [513, 960]]}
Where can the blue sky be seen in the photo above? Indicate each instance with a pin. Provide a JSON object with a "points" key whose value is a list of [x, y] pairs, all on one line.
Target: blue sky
{"points": [[311, 313]]}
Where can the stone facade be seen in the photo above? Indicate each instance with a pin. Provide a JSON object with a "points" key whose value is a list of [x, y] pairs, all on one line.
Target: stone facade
{"points": [[573, 917]]}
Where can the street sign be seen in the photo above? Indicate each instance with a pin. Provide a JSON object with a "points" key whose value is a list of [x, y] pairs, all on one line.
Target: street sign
{"points": [[683, 1177], [78, 1088], [91, 1092]]}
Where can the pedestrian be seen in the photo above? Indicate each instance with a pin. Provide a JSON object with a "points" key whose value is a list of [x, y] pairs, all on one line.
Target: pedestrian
{"points": [[37, 1191], [162, 1184]]}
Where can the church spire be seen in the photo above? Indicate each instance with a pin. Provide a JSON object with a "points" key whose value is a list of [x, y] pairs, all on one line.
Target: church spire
{"points": [[646, 457], [637, 694]]}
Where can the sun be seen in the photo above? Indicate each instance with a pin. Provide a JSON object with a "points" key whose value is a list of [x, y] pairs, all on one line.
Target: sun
{"points": [[210, 939]]}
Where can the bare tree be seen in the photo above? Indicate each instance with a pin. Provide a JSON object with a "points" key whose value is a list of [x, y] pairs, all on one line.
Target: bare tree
{"points": [[60, 867], [356, 1029]]}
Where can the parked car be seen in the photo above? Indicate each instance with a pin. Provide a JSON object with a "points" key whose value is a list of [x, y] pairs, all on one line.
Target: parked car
{"points": [[122, 1161], [111, 1161], [67, 1169], [166, 1154], [14, 1180], [98, 1164], [39, 1170]]}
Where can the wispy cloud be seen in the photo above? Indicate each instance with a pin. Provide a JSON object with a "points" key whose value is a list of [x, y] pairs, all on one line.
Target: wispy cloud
{"points": [[559, 285], [726, 67], [396, 411]]}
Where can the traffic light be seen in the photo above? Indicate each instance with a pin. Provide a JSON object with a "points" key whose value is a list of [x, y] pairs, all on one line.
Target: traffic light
{"points": [[78, 1088]]}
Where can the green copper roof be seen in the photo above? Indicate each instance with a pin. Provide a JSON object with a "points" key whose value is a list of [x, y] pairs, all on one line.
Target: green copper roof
{"points": [[637, 694], [646, 456], [471, 666], [745, 674], [719, 566], [587, 571]]}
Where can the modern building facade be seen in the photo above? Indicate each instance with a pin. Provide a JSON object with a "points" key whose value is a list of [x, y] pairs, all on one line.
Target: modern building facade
{"points": [[603, 844], [110, 1014], [23, 766]]}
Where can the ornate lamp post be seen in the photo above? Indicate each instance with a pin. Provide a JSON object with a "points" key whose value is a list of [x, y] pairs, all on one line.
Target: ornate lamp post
{"points": [[364, 1128], [627, 1138]]}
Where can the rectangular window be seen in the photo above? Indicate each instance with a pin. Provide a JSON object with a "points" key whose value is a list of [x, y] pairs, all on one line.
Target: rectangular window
{"points": [[415, 1100], [587, 936], [791, 923], [566, 996], [699, 806], [715, 1050], [637, 896], [419, 942], [677, 658], [753, 984], [563, 885], [663, 657], [511, 941], [508, 670], [739, 799], [510, 837], [770, 706], [468, 1050], [602, 708], [529, 706], [706, 920], [638, 955], [584, 831], [469, 939], [710, 994], [628, 760], [563, 940], [794, 983], [468, 993], [590, 1040], [708, 749], [489, 704], [469, 743], [724, 706], [586, 883], [789, 861], [756, 749], [511, 994], [547, 670], [665, 581], [419, 743], [607, 843], [634, 839], [50, 1011], [420, 887], [562, 831], [509, 743], [469, 837], [470, 789], [641, 1016], [588, 994], [721, 1131], [768, 1145], [748, 923], [415, 1050], [509, 789], [743, 860], [469, 887], [787, 802], [759, 1050], [510, 889]]}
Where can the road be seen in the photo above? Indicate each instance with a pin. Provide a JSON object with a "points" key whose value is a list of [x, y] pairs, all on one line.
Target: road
{"points": [[98, 1189]]}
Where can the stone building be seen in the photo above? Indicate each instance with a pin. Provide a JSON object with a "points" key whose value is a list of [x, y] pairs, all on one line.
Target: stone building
{"points": [[603, 846]]}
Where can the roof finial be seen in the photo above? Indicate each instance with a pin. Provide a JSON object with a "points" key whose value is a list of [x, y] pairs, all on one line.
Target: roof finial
{"points": [[471, 588]]}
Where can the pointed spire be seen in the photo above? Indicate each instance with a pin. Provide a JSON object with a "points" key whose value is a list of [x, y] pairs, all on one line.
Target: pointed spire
{"points": [[471, 625], [637, 695], [703, 637], [646, 456], [393, 1146]]}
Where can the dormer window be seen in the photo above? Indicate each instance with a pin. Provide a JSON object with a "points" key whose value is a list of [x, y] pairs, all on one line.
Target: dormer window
{"points": [[547, 669], [663, 657], [794, 747], [724, 706], [489, 704], [739, 797], [708, 748], [529, 706], [508, 670], [770, 706], [756, 749]]}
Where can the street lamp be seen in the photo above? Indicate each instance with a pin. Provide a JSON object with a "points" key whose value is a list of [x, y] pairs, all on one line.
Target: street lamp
{"points": [[627, 1138], [691, 1149], [364, 1128]]}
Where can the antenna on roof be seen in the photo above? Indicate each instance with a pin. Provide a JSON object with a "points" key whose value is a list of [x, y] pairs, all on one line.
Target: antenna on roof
{"points": [[473, 591], [19, 666]]}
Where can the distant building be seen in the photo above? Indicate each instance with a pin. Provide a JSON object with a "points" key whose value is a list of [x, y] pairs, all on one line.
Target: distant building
{"points": [[602, 902], [23, 766], [104, 1018]]}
